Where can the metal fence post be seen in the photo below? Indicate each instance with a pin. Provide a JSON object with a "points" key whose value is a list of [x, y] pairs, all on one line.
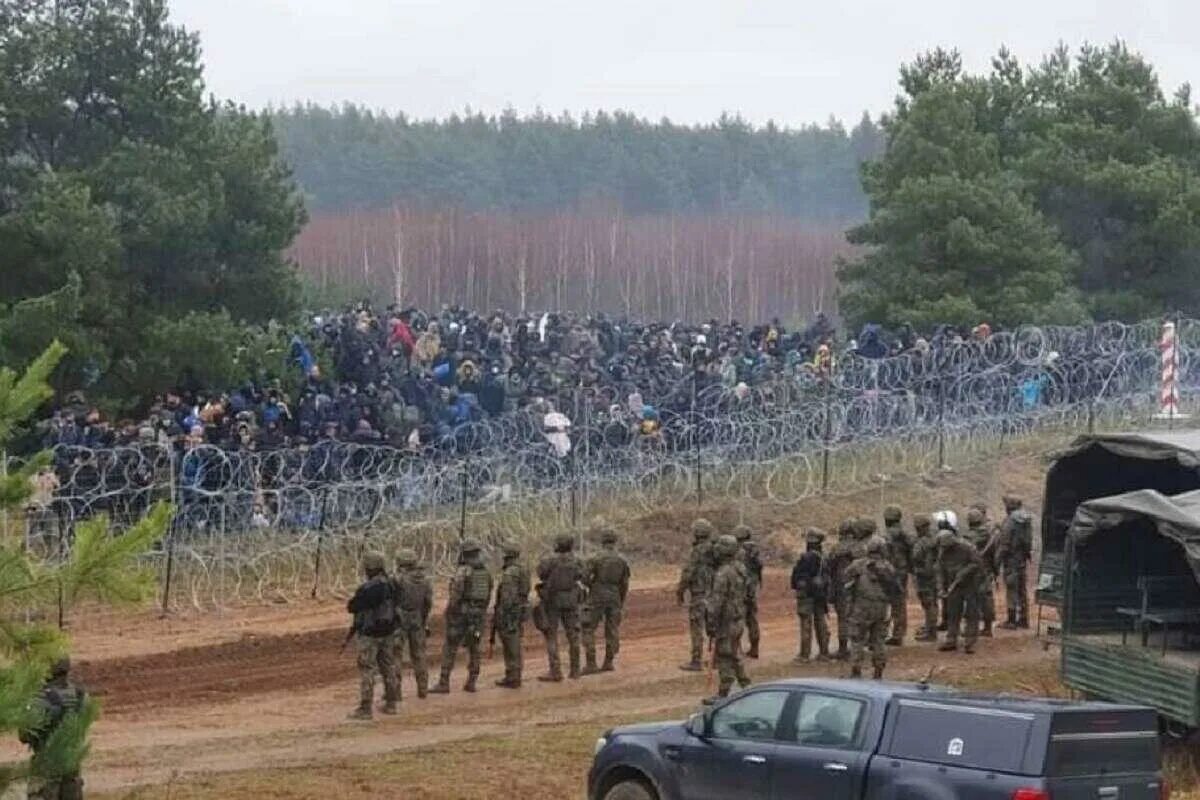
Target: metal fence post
{"points": [[827, 435], [696, 445], [320, 541], [462, 519]]}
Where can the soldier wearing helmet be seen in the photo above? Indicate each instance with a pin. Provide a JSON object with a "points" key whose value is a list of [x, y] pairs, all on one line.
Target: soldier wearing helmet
{"points": [[839, 560], [510, 612], [561, 585], [899, 555], [695, 582], [59, 699], [607, 579], [466, 614], [924, 570], [1014, 552], [985, 538], [725, 615], [754, 568], [870, 584], [960, 570], [414, 602], [374, 608], [808, 584]]}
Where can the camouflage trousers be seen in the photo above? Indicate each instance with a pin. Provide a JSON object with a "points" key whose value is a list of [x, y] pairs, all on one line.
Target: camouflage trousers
{"points": [[727, 657], [870, 623], [696, 612], [752, 629], [900, 608], [812, 623], [1016, 592], [928, 597], [376, 656], [410, 640], [987, 599], [509, 633], [69, 788], [568, 618], [464, 629], [608, 611], [841, 607], [962, 611]]}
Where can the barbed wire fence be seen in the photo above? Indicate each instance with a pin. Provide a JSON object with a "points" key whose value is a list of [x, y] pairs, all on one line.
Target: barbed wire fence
{"points": [[282, 525]]}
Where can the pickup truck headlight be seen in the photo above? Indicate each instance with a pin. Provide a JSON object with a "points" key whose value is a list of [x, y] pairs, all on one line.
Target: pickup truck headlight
{"points": [[601, 743]]}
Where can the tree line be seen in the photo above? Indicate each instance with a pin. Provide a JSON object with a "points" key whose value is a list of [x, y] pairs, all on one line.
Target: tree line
{"points": [[349, 157]]}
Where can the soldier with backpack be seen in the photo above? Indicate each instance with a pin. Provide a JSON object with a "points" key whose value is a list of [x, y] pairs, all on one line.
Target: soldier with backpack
{"points": [[374, 608], [561, 577], [607, 577], [59, 698], [466, 616], [414, 601]]}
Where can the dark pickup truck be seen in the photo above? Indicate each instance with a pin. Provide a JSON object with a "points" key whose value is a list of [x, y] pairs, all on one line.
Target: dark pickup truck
{"points": [[858, 740]]}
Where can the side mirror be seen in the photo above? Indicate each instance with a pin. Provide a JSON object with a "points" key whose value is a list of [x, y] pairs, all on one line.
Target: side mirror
{"points": [[697, 725]]}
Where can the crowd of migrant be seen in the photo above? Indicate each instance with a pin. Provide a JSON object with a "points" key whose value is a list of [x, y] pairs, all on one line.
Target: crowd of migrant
{"points": [[375, 397]]}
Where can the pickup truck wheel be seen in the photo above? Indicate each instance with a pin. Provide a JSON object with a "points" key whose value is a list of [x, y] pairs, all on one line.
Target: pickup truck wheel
{"points": [[630, 790]]}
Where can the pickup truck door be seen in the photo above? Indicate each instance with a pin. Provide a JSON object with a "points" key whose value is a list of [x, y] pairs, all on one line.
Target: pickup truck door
{"points": [[734, 759], [821, 755]]}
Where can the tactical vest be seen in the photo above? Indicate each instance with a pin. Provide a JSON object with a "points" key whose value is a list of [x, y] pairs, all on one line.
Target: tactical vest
{"points": [[379, 619], [732, 580], [411, 586], [563, 574], [702, 571], [868, 588], [898, 548], [477, 588], [610, 570]]}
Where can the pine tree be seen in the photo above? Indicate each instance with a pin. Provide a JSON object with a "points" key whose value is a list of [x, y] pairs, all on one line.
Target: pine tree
{"points": [[100, 566]]}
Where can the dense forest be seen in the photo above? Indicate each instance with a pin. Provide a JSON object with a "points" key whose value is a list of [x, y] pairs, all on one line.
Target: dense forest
{"points": [[352, 158]]}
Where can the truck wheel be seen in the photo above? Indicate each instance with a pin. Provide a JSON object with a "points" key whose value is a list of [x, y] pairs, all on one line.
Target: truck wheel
{"points": [[630, 790]]}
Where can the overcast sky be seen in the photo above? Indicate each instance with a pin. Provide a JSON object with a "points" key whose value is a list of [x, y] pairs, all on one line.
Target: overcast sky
{"points": [[794, 61]]}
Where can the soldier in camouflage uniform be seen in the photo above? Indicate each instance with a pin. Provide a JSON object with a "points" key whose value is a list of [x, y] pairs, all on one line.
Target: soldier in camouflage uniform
{"points": [[510, 612], [695, 582], [725, 615], [899, 555], [59, 698], [754, 569], [870, 583], [466, 615], [808, 582], [374, 608], [414, 601], [959, 570], [924, 570], [984, 537], [562, 582], [1014, 552], [836, 563], [607, 580]]}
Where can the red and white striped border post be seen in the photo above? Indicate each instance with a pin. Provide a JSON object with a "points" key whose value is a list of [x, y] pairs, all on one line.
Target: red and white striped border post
{"points": [[1168, 388]]}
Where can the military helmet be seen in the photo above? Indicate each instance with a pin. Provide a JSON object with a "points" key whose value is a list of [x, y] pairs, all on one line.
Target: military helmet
{"points": [[846, 527], [922, 522], [865, 526], [470, 546], [742, 533], [814, 536], [974, 516], [726, 545], [702, 529], [876, 546], [608, 536], [564, 543], [372, 562], [406, 557], [60, 668], [510, 549], [1012, 502], [981, 506], [892, 514]]}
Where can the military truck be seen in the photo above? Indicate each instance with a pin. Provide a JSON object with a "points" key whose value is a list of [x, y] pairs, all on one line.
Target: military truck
{"points": [[1103, 465], [1131, 601]]}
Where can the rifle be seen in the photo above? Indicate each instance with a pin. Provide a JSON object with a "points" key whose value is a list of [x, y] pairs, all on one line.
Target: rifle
{"points": [[349, 635]]}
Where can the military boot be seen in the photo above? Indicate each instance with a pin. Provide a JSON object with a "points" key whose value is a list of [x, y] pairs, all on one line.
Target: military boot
{"points": [[362, 713], [856, 672], [590, 667], [753, 651], [607, 666], [925, 635], [469, 686], [1022, 621], [948, 646], [843, 650], [508, 682], [894, 641], [987, 630], [443, 685], [551, 677], [691, 666], [877, 674], [391, 708], [1011, 623], [942, 627]]}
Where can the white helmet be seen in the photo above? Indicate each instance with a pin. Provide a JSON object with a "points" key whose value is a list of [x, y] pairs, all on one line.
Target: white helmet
{"points": [[946, 520]]}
